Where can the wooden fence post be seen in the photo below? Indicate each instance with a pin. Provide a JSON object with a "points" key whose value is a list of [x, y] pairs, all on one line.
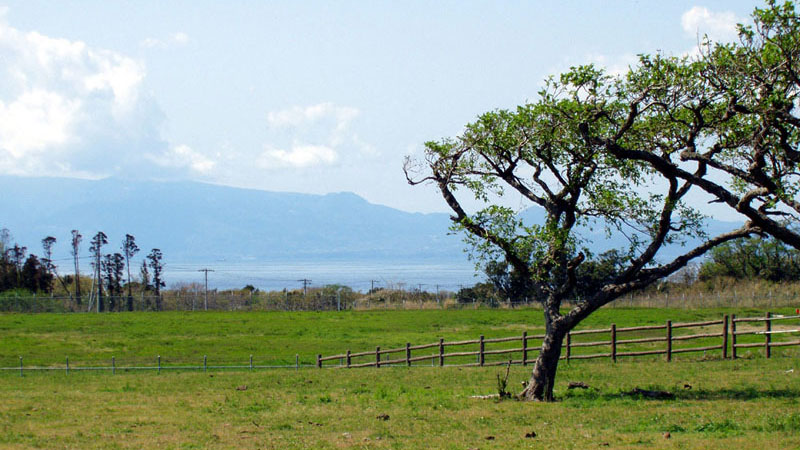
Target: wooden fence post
{"points": [[377, 357], [614, 342], [725, 337], [767, 334], [408, 354], [319, 361], [733, 336], [441, 352], [480, 351], [569, 345], [669, 340], [348, 358], [524, 348]]}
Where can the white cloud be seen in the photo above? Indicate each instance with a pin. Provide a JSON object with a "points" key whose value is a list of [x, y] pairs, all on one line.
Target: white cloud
{"points": [[68, 109], [300, 156], [35, 120], [177, 39], [614, 65], [299, 116], [314, 135], [182, 156], [700, 21]]}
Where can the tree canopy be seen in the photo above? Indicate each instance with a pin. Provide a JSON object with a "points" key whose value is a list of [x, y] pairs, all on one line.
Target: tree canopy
{"points": [[626, 153]]}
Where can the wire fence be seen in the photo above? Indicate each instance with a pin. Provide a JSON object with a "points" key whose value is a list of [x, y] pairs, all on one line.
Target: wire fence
{"points": [[157, 365], [397, 300]]}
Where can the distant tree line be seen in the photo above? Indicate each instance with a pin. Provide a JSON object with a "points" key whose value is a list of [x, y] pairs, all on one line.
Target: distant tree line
{"points": [[111, 272], [750, 259]]}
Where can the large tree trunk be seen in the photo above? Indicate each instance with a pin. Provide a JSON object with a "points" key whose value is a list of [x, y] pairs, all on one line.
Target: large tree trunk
{"points": [[543, 377]]}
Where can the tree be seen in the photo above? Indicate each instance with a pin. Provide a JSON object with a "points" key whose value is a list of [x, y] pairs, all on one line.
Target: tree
{"points": [[735, 109], [144, 274], [157, 268], [98, 241], [16, 256], [113, 267], [754, 258], [513, 285], [34, 276], [129, 249], [550, 153], [5, 241], [47, 248], [76, 244], [47, 261], [7, 275]]}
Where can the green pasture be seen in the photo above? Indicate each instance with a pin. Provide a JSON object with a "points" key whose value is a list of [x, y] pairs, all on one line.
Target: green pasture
{"points": [[717, 403], [274, 338]]}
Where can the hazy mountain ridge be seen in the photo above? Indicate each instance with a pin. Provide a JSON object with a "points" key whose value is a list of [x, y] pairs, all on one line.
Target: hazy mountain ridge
{"points": [[193, 221], [197, 222]]}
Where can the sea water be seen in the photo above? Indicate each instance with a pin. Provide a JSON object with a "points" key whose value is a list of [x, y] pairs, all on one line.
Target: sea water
{"points": [[360, 276]]}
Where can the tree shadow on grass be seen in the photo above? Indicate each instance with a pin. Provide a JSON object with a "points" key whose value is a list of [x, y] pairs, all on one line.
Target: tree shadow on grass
{"points": [[743, 393]]}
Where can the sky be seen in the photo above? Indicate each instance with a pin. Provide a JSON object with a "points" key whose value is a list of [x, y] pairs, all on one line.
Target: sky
{"points": [[298, 96]]}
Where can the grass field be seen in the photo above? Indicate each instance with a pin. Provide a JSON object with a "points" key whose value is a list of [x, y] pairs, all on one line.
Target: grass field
{"points": [[276, 337], [730, 404]]}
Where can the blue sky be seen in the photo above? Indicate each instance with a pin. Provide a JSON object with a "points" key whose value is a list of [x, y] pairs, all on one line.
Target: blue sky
{"points": [[296, 96]]}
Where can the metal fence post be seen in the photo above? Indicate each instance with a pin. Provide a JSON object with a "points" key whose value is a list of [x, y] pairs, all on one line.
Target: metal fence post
{"points": [[251, 362], [20, 366], [159, 363], [205, 363], [67, 365], [113, 366], [296, 361]]}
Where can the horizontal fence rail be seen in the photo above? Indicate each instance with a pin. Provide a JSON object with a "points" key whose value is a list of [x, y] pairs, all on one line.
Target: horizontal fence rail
{"points": [[732, 333], [612, 343], [751, 329]]}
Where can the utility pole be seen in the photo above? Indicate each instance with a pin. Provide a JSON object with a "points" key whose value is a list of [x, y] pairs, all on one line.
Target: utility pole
{"points": [[372, 286], [205, 301], [305, 282]]}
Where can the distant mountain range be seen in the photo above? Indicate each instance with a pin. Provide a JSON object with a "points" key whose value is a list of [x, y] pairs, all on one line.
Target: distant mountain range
{"points": [[197, 222], [192, 221]]}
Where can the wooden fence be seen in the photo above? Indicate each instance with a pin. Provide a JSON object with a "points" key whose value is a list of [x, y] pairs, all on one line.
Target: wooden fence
{"points": [[712, 336], [767, 332]]}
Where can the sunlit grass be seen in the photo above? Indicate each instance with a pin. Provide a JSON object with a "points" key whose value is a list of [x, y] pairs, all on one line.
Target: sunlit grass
{"points": [[718, 404]]}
